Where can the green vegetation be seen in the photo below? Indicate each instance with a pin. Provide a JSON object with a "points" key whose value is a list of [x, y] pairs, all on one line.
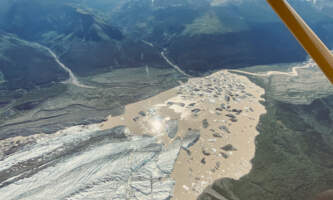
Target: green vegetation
{"points": [[211, 23], [207, 24], [26, 100], [285, 67]]}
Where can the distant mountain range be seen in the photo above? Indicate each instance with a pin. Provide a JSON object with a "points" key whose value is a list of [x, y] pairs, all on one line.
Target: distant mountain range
{"points": [[93, 37]]}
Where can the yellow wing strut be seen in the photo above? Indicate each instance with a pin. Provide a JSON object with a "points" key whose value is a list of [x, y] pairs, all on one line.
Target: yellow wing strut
{"points": [[305, 36]]}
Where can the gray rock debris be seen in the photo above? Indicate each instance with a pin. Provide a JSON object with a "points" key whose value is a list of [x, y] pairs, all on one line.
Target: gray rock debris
{"points": [[118, 132], [232, 117], [196, 111], [172, 128], [191, 137], [143, 114], [219, 109], [217, 135], [223, 106], [224, 129], [205, 123], [176, 103], [224, 155], [229, 147], [227, 98], [206, 152], [237, 111]]}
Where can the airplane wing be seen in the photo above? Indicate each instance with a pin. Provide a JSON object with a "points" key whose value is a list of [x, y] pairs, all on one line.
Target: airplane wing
{"points": [[305, 36]]}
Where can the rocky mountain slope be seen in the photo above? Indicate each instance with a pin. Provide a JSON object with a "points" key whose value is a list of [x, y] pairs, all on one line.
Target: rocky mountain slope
{"points": [[20, 61], [84, 41], [217, 34], [200, 35]]}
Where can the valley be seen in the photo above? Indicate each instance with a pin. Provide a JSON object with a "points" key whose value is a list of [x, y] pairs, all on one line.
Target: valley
{"points": [[177, 99]]}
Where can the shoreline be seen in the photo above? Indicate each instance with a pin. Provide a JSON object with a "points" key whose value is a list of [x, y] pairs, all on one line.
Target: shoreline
{"points": [[293, 73]]}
